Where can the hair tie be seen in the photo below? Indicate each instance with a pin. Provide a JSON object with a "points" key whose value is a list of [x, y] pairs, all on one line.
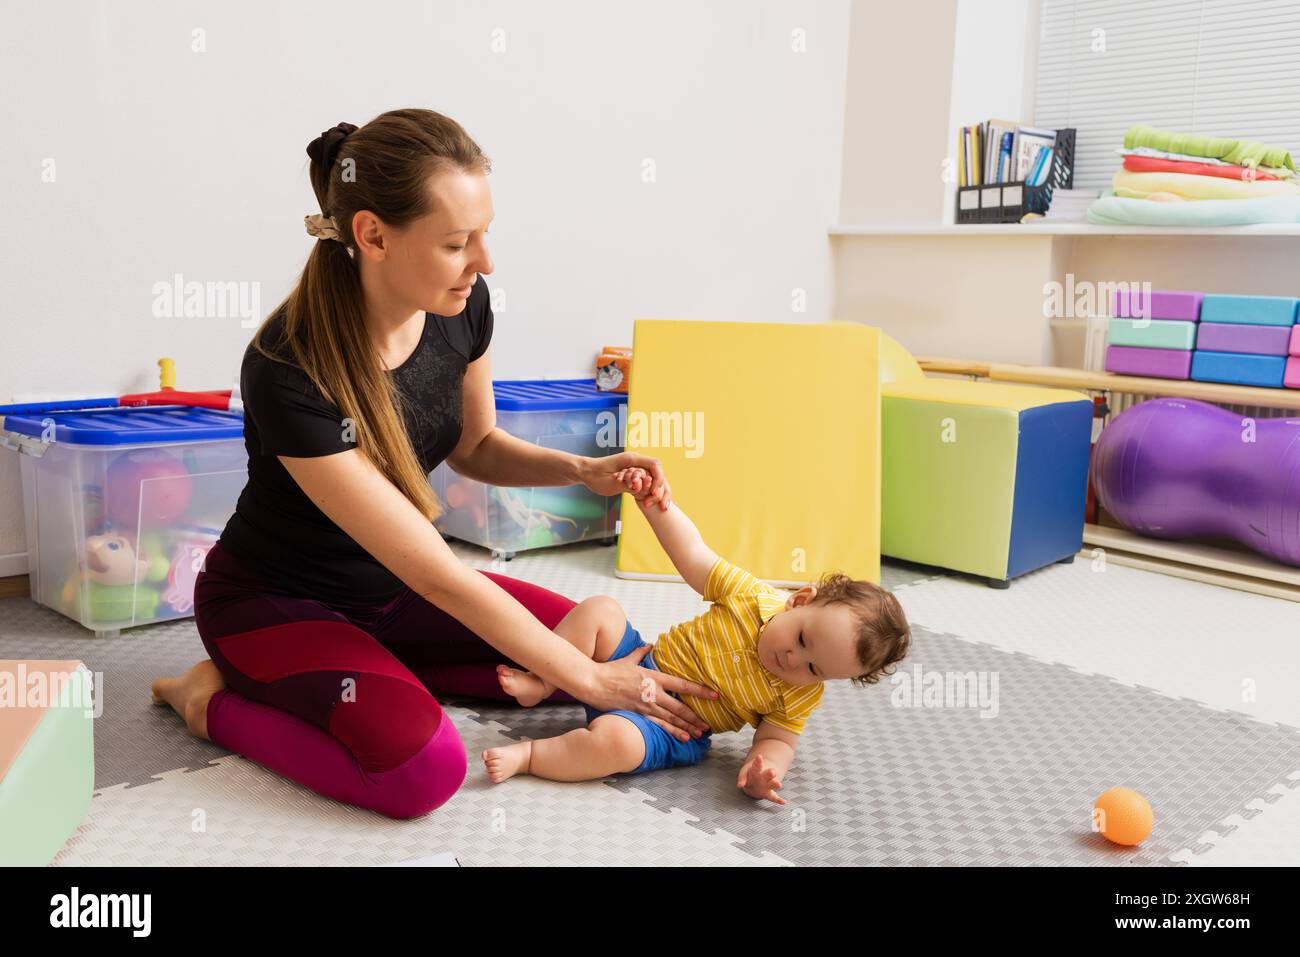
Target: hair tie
{"points": [[324, 148], [322, 227]]}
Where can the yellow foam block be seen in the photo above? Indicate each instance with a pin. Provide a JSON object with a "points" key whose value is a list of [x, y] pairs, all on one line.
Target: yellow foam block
{"points": [[989, 395], [769, 434]]}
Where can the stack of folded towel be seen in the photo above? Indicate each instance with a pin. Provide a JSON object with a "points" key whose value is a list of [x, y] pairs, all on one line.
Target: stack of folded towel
{"points": [[1244, 340], [1168, 178]]}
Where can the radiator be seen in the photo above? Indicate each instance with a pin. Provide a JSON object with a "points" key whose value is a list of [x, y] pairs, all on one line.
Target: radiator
{"points": [[1119, 401]]}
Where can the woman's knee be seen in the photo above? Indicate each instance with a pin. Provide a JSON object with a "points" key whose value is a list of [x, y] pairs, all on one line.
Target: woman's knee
{"points": [[427, 780]]}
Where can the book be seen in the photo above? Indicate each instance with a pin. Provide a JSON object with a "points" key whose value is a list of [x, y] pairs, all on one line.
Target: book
{"points": [[994, 130], [1040, 168], [1001, 151], [1004, 158], [1028, 140]]}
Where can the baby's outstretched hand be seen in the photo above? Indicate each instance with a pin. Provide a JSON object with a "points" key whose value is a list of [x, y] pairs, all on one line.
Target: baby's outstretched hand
{"points": [[759, 781]]}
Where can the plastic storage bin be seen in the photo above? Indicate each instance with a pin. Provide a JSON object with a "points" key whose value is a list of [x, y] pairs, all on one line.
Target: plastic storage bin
{"points": [[567, 414], [122, 505]]}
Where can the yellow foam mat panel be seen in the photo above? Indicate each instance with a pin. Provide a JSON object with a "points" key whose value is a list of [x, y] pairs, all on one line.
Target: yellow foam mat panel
{"points": [[769, 434]]}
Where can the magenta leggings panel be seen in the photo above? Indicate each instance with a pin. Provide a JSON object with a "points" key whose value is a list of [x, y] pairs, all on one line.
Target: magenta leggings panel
{"points": [[343, 702]]}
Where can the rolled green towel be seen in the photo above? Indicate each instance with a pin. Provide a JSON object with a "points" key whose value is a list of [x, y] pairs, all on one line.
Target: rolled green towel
{"points": [[1238, 152]]}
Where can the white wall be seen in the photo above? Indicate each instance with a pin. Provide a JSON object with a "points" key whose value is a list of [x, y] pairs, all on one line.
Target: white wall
{"points": [[173, 161], [899, 92], [992, 71]]}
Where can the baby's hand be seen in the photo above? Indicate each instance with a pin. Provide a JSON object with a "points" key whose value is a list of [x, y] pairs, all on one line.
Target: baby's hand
{"points": [[759, 781], [636, 482]]}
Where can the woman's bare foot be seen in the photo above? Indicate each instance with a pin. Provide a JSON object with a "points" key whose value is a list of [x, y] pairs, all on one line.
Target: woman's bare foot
{"points": [[503, 763], [525, 687], [188, 694]]}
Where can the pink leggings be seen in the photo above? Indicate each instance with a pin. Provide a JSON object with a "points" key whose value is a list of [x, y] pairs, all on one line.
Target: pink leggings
{"points": [[343, 703]]}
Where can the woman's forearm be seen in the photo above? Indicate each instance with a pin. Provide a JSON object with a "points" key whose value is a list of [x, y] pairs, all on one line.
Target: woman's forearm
{"points": [[506, 460], [498, 618]]}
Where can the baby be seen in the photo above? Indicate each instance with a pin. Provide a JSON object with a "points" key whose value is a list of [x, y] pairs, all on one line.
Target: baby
{"points": [[765, 652]]}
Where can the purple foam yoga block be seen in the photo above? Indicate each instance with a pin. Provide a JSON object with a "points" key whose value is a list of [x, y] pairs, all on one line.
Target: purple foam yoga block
{"points": [[1295, 341], [1161, 363], [1233, 337], [1291, 378], [1164, 304]]}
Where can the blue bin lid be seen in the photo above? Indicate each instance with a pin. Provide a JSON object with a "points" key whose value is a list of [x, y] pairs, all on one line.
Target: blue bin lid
{"points": [[130, 425], [551, 395]]}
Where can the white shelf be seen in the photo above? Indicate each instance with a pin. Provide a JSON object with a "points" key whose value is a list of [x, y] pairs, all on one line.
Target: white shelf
{"points": [[1062, 229], [1231, 568]]}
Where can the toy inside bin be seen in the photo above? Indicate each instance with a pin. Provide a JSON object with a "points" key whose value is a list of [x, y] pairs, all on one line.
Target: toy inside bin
{"points": [[567, 414], [122, 505]]}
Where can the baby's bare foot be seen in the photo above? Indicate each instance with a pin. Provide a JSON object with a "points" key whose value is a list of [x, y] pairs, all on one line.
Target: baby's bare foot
{"points": [[189, 693], [523, 686], [506, 762]]}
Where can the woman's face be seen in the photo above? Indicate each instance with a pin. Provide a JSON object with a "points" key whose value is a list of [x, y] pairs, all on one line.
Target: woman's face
{"points": [[433, 263]]}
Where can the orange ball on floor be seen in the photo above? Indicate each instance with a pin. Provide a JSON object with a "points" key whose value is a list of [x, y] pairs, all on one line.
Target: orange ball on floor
{"points": [[1123, 816]]}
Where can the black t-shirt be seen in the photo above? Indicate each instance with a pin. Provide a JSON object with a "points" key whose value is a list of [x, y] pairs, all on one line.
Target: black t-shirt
{"points": [[277, 531]]}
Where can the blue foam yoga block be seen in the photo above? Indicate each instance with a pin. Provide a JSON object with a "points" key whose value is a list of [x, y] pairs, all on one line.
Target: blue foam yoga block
{"points": [[1238, 368]]}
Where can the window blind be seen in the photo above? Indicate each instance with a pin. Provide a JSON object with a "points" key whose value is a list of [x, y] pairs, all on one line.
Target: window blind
{"points": [[1222, 67]]}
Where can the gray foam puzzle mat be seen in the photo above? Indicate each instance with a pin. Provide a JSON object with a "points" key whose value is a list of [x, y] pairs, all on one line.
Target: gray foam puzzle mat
{"points": [[872, 783], [151, 776], [134, 740], [877, 784]]}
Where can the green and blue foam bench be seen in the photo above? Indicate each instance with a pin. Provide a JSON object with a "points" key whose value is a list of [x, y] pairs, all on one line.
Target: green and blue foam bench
{"points": [[980, 477], [47, 757]]}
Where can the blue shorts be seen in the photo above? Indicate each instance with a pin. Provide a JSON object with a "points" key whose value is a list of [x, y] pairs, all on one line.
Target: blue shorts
{"points": [[662, 750]]}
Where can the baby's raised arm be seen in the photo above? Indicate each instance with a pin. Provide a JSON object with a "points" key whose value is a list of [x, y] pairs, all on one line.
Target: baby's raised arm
{"points": [[678, 535]]}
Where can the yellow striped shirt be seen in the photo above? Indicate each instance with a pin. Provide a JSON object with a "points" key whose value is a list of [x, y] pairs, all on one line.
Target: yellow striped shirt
{"points": [[720, 649]]}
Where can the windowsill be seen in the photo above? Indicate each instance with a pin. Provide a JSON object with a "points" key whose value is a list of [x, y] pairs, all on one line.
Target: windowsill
{"points": [[1062, 229]]}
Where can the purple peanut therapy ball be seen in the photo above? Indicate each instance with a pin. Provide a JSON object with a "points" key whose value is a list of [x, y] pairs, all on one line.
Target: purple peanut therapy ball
{"points": [[1176, 468]]}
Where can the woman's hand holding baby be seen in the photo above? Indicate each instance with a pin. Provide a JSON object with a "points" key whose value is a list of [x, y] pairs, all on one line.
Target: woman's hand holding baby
{"points": [[602, 475], [624, 685]]}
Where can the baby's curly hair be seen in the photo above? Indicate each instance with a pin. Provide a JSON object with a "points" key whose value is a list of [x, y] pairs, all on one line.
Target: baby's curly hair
{"points": [[884, 636]]}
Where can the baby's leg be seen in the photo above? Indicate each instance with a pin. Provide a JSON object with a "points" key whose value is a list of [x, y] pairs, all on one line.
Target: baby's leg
{"points": [[610, 744], [594, 626]]}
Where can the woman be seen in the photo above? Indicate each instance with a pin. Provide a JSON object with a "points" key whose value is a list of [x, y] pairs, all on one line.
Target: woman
{"points": [[331, 608]]}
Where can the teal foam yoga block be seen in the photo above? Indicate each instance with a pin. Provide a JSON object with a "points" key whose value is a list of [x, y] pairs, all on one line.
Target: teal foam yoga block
{"points": [[1152, 333]]}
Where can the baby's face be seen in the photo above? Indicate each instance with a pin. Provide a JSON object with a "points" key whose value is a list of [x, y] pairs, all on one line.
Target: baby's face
{"points": [[805, 644]]}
